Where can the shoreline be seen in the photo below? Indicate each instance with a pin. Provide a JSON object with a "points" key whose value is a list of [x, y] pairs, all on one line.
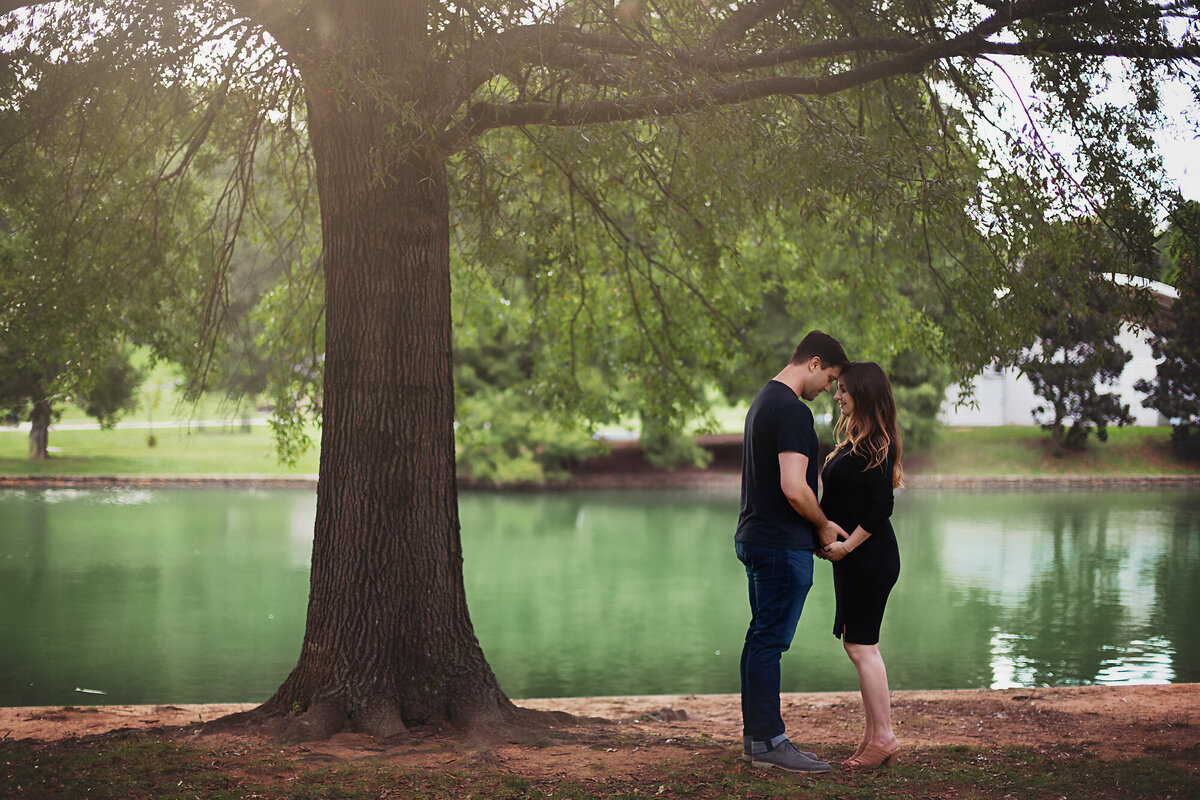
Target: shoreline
{"points": [[682, 479]]}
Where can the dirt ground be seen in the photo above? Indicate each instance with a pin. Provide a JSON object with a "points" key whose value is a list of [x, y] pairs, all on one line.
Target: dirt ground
{"points": [[616, 736]]}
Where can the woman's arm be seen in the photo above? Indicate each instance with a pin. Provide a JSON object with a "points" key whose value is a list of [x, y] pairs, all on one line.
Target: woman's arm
{"points": [[878, 501], [878, 497], [842, 547]]}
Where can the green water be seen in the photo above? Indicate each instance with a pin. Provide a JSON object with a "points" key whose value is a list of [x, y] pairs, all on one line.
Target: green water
{"points": [[176, 596]]}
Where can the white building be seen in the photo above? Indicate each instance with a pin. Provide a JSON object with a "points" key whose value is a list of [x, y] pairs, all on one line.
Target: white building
{"points": [[1006, 397]]}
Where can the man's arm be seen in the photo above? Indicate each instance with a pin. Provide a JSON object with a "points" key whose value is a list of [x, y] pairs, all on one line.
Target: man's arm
{"points": [[792, 469]]}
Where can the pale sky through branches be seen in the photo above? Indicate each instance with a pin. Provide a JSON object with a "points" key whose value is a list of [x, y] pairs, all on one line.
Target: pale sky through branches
{"points": [[1177, 141], [1179, 147]]}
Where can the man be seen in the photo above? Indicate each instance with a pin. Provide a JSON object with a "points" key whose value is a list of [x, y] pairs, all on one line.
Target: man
{"points": [[779, 528]]}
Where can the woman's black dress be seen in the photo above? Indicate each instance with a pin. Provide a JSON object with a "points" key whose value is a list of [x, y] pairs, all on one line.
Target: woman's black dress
{"points": [[855, 496]]}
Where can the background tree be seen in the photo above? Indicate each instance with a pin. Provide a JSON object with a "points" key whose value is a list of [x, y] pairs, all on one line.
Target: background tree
{"points": [[1075, 355], [395, 94], [103, 384], [84, 268], [1175, 390], [502, 433], [919, 383]]}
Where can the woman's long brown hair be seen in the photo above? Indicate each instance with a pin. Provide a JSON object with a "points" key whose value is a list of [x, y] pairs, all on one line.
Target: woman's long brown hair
{"points": [[871, 429]]}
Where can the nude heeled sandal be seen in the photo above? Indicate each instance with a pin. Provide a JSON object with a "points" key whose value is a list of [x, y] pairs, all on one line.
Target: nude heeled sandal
{"points": [[858, 752], [875, 756]]}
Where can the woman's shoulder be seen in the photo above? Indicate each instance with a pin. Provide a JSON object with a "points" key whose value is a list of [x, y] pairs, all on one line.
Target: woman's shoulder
{"points": [[861, 462], [848, 459]]}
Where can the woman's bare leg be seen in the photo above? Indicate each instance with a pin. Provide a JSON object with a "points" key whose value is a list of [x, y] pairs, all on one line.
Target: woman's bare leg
{"points": [[873, 684]]}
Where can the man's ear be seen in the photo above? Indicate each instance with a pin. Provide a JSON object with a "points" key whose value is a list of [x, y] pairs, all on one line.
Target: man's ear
{"points": [[814, 364]]}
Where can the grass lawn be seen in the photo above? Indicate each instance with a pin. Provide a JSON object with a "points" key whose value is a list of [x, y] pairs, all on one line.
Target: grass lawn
{"points": [[220, 450], [226, 450], [147, 768], [1021, 450]]}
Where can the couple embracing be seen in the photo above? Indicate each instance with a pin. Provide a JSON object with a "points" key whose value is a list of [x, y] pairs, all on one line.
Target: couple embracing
{"points": [[782, 526]]}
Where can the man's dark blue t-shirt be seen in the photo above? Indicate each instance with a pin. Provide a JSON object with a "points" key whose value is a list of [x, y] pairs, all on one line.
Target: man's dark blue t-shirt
{"points": [[777, 422]]}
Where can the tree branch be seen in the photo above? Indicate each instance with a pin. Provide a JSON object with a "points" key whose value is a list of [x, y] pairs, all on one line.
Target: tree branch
{"points": [[740, 22], [911, 56], [1047, 47], [531, 45], [558, 46], [793, 55]]}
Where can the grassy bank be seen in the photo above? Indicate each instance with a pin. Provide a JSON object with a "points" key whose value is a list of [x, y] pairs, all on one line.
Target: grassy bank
{"points": [[1013, 450], [143, 767], [223, 449], [230, 449]]}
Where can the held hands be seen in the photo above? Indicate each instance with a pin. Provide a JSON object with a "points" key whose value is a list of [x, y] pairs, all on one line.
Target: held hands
{"points": [[829, 535], [836, 551], [830, 532]]}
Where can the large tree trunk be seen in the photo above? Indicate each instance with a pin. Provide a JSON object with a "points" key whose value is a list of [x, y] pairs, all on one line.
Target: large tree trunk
{"points": [[39, 430], [389, 642]]}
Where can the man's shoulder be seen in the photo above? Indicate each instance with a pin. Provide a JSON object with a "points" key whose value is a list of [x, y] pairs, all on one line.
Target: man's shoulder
{"points": [[778, 395], [767, 405], [778, 399], [794, 410], [783, 421]]}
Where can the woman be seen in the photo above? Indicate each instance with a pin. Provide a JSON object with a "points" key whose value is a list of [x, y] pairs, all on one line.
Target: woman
{"points": [[859, 476]]}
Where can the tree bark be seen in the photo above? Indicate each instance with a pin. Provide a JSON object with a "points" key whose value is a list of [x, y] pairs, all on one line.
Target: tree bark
{"points": [[39, 430], [389, 642]]}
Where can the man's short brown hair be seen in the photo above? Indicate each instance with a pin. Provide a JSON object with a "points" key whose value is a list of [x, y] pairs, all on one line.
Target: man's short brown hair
{"points": [[818, 344]]}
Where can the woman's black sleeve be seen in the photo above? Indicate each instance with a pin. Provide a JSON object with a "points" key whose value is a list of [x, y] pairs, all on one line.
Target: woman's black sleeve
{"points": [[878, 499]]}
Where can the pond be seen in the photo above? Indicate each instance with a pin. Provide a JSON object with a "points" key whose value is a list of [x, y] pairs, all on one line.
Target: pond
{"points": [[199, 595]]}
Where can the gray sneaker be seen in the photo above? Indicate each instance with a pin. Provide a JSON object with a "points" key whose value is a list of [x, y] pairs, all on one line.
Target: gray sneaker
{"points": [[785, 756], [746, 751]]}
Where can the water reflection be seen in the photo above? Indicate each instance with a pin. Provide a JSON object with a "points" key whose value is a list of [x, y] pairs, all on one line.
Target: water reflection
{"points": [[200, 595], [165, 596], [1076, 581]]}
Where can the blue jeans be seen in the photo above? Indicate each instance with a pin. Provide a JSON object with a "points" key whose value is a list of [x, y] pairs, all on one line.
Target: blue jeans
{"points": [[779, 581]]}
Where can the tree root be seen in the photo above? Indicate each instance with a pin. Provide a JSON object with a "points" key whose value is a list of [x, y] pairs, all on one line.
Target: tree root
{"points": [[322, 720], [382, 721]]}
